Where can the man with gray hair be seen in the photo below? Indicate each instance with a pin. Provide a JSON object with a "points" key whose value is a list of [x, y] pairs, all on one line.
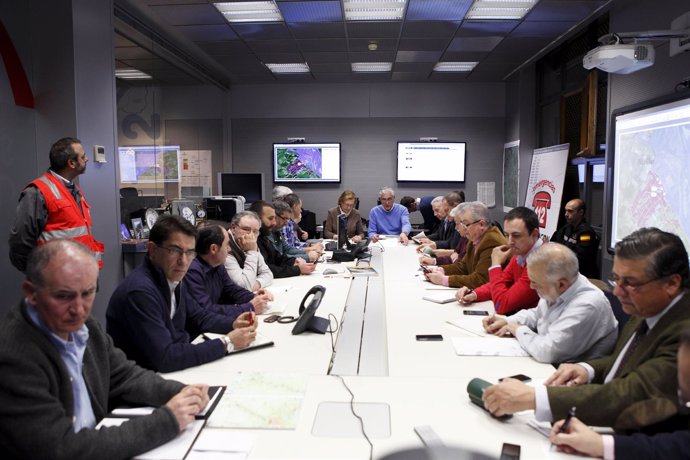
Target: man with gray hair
{"points": [[473, 269], [283, 216], [245, 264], [279, 191], [573, 319], [61, 373], [389, 218]]}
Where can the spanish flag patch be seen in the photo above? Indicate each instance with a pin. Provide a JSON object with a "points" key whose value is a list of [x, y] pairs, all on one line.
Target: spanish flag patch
{"points": [[584, 238]]}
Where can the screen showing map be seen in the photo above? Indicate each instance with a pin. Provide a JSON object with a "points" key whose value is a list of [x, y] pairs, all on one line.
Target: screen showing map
{"points": [[651, 187], [149, 164], [306, 162]]}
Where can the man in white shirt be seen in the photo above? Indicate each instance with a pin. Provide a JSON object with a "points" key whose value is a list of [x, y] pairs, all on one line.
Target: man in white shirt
{"points": [[573, 319], [635, 386], [244, 263]]}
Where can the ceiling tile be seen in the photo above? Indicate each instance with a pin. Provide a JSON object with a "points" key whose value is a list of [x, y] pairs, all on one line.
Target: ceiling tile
{"points": [[418, 56], [178, 15], [328, 44], [423, 44], [474, 43], [437, 9], [314, 11], [430, 29], [294, 77], [563, 10], [275, 46], [448, 76], [409, 76], [207, 33], [317, 30], [366, 29], [334, 77], [542, 29], [280, 58], [264, 31], [223, 48], [464, 56], [483, 28], [325, 57], [373, 56], [361, 44], [523, 48]]}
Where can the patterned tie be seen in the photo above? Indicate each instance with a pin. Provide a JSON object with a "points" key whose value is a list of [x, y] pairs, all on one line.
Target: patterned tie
{"points": [[640, 334]]}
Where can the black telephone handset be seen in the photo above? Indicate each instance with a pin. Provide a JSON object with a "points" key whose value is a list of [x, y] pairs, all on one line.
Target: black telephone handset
{"points": [[307, 320]]}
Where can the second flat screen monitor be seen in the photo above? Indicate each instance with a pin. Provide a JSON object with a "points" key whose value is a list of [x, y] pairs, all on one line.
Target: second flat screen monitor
{"points": [[431, 162], [306, 162]]}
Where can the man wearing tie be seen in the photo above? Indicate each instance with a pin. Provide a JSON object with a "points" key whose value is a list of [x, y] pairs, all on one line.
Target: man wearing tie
{"points": [[635, 387]]}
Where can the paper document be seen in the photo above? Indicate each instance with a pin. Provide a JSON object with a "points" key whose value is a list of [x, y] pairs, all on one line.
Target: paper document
{"points": [[470, 325], [274, 308], [278, 289], [176, 449], [260, 400], [221, 444], [444, 296], [488, 346]]}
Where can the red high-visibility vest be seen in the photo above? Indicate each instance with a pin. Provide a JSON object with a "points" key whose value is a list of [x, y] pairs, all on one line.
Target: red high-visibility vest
{"points": [[65, 219]]}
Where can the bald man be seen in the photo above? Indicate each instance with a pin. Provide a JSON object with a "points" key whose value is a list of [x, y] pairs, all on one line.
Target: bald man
{"points": [[579, 236]]}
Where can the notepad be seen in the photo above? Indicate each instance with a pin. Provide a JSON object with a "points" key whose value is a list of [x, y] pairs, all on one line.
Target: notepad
{"points": [[363, 270], [444, 296], [471, 325], [261, 341], [487, 346]]}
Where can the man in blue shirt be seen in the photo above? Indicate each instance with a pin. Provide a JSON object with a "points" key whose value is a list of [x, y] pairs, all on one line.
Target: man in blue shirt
{"points": [[61, 372], [389, 218]]}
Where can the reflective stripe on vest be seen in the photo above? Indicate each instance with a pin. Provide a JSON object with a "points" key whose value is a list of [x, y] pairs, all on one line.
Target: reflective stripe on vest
{"points": [[66, 233], [53, 188]]}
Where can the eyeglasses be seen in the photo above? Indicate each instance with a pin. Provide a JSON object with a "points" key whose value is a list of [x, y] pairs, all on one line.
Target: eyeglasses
{"points": [[470, 224], [179, 252], [625, 284], [285, 219]]}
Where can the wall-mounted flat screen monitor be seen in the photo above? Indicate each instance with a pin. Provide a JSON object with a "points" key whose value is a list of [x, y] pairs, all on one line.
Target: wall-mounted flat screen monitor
{"points": [[648, 157], [249, 185], [431, 161], [306, 162], [149, 164]]}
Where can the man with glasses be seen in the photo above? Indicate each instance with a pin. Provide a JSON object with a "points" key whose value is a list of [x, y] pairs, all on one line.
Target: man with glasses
{"points": [[389, 218], [151, 314], [245, 264], [472, 270], [634, 387], [284, 214], [280, 265], [509, 288], [578, 438]]}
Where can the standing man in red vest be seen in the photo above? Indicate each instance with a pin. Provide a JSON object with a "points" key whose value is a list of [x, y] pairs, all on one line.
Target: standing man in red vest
{"points": [[53, 207]]}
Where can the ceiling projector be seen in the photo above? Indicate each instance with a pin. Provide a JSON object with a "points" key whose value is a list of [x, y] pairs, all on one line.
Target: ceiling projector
{"points": [[620, 58]]}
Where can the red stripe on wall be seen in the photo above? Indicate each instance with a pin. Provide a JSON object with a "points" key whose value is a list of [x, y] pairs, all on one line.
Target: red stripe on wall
{"points": [[21, 90]]}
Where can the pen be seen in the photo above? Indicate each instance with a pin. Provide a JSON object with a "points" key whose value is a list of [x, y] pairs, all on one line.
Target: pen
{"points": [[566, 424]]}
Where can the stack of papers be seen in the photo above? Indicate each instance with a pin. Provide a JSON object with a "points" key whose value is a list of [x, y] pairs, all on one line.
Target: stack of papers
{"points": [[362, 270], [488, 346], [440, 296]]}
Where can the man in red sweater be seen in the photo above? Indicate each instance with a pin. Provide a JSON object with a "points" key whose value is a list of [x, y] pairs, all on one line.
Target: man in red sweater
{"points": [[509, 288]]}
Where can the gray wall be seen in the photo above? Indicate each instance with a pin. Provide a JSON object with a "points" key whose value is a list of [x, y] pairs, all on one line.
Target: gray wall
{"points": [[368, 121], [74, 88]]}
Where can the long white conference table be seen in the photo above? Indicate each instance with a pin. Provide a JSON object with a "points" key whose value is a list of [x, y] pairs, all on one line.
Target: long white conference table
{"points": [[398, 382]]}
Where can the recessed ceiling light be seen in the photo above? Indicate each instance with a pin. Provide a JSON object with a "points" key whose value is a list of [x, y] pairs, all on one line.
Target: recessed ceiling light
{"points": [[455, 66], [372, 66], [262, 11], [374, 10], [500, 9], [131, 74], [297, 67]]}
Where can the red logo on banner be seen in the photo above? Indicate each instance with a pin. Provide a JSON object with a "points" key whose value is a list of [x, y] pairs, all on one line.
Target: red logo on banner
{"points": [[541, 203]]}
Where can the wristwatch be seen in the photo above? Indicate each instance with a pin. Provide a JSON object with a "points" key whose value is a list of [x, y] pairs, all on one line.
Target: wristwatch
{"points": [[229, 347]]}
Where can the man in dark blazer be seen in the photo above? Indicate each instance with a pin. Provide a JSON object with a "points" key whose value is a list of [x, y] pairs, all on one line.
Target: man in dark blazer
{"points": [[635, 387], [669, 446]]}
